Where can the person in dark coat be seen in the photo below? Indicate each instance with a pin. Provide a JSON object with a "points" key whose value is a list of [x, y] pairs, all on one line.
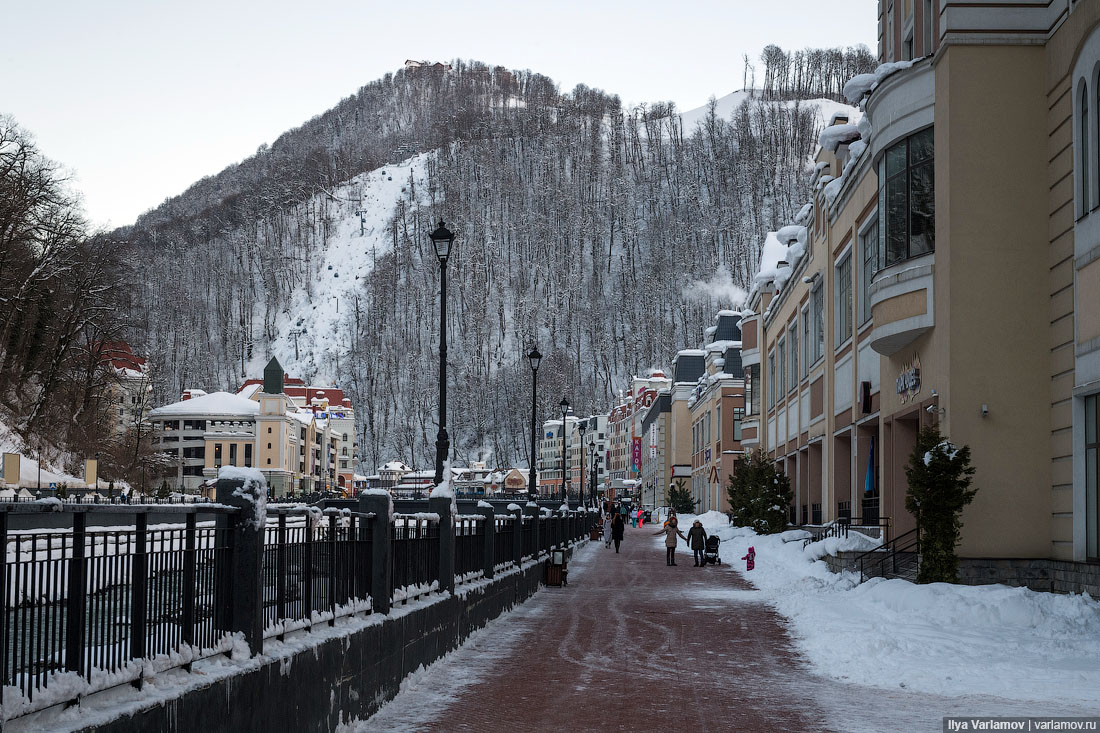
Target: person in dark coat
{"points": [[618, 526], [697, 539]]}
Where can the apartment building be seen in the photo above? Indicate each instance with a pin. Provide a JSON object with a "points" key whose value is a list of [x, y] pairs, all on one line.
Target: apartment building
{"points": [[717, 407], [947, 271], [555, 441]]}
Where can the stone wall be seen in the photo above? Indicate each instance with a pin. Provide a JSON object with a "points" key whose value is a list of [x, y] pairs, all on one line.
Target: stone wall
{"points": [[1059, 576]]}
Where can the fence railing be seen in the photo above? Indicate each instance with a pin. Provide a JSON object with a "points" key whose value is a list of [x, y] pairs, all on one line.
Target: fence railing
{"points": [[86, 609]]}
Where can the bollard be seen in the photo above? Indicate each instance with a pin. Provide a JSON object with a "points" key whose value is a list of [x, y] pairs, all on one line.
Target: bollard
{"points": [[244, 601], [379, 502], [490, 527], [442, 505]]}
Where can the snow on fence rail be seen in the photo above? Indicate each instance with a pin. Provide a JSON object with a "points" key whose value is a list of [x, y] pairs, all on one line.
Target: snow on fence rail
{"points": [[85, 609]]}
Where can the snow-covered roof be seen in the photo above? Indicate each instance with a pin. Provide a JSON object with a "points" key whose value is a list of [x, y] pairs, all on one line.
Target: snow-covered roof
{"points": [[216, 403], [771, 254], [249, 390]]}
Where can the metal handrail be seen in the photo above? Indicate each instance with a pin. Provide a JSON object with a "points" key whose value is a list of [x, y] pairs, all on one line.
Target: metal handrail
{"points": [[911, 539]]}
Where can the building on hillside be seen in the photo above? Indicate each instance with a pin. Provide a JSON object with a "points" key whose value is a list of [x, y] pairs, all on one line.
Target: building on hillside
{"points": [[656, 474], [884, 309], [130, 387], [593, 445], [717, 407]]}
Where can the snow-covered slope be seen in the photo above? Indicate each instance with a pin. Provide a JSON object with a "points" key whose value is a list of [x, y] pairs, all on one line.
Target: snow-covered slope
{"points": [[314, 317]]}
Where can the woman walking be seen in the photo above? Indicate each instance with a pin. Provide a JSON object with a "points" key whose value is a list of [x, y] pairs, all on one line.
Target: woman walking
{"points": [[697, 538], [618, 526], [670, 532], [607, 530]]}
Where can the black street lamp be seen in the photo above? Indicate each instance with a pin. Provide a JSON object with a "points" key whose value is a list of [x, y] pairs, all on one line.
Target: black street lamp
{"points": [[535, 358], [442, 239], [581, 427], [564, 404]]}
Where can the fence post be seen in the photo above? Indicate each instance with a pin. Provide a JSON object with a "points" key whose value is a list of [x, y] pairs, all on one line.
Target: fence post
{"points": [[379, 503], [441, 505], [517, 534], [532, 511], [74, 612], [490, 528], [139, 579], [4, 630], [247, 555]]}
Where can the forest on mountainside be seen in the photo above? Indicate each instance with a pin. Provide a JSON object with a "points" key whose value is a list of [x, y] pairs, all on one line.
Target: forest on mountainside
{"points": [[64, 292], [580, 225]]}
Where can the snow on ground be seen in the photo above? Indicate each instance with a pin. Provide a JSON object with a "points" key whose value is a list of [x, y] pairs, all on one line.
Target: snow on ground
{"points": [[348, 258], [949, 640]]}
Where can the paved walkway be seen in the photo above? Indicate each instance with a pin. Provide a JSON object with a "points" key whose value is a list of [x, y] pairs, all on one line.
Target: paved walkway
{"points": [[634, 645]]}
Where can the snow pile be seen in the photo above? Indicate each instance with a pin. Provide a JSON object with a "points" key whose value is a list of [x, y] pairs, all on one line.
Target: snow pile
{"points": [[513, 507], [253, 490], [446, 490], [482, 504], [833, 137], [938, 638], [862, 84], [944, 450]]}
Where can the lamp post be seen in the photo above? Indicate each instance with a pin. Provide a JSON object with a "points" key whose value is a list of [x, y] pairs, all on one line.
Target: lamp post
{"points": [[442, 239], [535, 358], [564, 404], [581, 427]]}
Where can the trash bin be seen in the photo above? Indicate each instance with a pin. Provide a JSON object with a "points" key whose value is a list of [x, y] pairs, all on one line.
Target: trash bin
{"points": [[556, 571]]}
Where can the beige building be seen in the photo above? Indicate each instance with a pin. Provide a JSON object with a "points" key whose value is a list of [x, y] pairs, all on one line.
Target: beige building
{"points": [[948, 271]]}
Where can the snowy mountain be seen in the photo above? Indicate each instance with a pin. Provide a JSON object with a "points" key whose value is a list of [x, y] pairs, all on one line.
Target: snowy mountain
{"points": [[579, 224]]}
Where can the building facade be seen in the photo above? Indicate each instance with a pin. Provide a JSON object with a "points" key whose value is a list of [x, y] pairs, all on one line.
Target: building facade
{"points": [[884, 308]]}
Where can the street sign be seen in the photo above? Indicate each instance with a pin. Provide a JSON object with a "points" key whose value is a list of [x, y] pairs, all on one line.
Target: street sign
{"points": [[53, 486]]}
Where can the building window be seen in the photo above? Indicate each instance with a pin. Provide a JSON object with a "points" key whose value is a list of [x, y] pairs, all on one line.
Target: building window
{"points": [[248, 455], [781, 370], [868, 250], [1092, 474], [269, 446], [818, 298], [738, 416], [906, 199], [752, 388], [806, 341], [217, 455], [232, 454], [843, 304], [792, 339], [718, 425], [927, 27], [771, 379], [1083, 159]]}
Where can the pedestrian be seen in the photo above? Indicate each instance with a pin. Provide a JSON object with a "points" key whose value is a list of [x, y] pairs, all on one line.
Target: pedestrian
{"points": [[641, 521], [633, 519], [750, 559], [670, 532], [607, 530], [618, 526], [697, 538]]}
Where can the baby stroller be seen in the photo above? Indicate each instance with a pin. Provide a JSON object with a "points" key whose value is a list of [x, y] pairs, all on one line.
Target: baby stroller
{"points": [[710, 553]]}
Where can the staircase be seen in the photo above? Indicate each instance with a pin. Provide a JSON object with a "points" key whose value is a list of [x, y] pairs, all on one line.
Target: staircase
{"points": [[898, 558]]}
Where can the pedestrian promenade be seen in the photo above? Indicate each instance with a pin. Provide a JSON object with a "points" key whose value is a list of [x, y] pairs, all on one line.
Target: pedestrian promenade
{"points": [[634, 645]]}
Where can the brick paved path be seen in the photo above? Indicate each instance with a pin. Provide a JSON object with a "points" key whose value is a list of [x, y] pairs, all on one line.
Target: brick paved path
{"points": [[634, 645]]}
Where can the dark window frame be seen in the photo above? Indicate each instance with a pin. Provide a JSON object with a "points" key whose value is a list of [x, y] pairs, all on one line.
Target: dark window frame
{"points": [[906, 232]]}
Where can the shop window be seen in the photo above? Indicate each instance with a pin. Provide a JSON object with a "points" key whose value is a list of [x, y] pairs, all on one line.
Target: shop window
{"points": [[906, 199]]}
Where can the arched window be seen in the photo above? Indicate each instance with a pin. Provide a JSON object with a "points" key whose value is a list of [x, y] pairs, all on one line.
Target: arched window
{"points": [[1083, 158]]}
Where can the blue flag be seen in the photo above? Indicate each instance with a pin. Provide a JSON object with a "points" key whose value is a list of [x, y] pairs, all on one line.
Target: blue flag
{"points": [[869, 482]]}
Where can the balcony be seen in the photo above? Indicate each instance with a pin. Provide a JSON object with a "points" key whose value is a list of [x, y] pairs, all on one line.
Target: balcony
{"points": [[902, 303]]}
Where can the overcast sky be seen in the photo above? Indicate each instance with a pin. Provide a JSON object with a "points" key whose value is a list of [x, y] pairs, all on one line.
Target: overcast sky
{"points": [[140, 99]]}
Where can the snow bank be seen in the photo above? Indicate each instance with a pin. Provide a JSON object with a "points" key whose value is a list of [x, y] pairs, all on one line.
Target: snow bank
{"points": [[942, 639]]}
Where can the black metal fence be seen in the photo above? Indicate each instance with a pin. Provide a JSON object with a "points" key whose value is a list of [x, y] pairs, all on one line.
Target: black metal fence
{"points": [[113, 605]]}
